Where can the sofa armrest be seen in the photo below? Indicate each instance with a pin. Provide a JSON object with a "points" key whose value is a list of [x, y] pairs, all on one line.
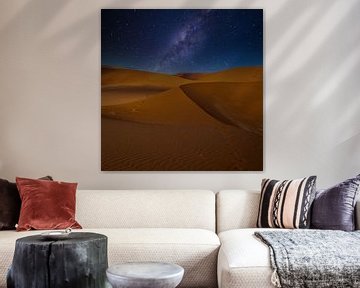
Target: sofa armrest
{"points": [[357, 215]]}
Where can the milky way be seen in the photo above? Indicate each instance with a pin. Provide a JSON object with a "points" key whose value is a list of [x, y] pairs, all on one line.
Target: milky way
{"points": [[181, 40], [186, 41]]}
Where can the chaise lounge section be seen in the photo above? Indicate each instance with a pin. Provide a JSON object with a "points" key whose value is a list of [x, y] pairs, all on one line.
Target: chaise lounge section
{"points": [[244, 260]]}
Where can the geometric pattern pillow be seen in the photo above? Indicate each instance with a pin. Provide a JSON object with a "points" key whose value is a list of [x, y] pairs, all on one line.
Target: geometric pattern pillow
{"points": [[286, 204]]}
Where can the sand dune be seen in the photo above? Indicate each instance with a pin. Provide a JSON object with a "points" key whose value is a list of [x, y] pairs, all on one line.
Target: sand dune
{"points": [[121, 76], [190, 76], [138, 146], [153, 121], [170, 107], [119, 94], [238, 74], [238, 104]]}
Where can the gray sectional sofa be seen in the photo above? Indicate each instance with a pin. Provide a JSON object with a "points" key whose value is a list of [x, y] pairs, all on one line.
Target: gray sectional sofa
{"points": [[210, 235]]}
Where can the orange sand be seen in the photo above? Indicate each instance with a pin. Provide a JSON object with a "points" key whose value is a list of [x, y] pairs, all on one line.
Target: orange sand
{"points": [[207, 122]]}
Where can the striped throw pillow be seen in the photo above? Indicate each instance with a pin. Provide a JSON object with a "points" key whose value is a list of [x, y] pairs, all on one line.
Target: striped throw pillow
{"points": [[286, 204]]}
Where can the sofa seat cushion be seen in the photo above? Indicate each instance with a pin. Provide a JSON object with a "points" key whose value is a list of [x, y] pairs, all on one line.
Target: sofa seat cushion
{"points": [[194, 249], [244, 261]]}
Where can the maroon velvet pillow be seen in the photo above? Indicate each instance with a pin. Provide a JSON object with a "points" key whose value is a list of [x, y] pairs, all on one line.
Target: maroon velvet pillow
{"points": [[10, 204], [46, 204]]}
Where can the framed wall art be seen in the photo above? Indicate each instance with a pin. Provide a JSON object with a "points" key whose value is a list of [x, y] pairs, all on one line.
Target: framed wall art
{"points": [[182, 90]]}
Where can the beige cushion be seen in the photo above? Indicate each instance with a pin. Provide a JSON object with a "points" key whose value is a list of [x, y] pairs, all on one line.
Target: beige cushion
{"points": [[236, 209], [146, 209], [194, 249], [244, 261]]}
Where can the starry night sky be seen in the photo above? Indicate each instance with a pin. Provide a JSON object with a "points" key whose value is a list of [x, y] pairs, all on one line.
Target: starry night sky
{"points": [[181, 40]]}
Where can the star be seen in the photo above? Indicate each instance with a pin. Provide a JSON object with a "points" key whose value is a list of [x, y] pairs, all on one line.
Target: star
{"points": [[187, 40]]}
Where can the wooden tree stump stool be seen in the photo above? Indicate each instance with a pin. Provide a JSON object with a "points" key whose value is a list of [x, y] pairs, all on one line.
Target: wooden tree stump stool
{"points": [[79, 261]]}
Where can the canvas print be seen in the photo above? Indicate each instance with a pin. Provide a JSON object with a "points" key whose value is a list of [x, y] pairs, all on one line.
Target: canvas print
{"points": [[181, 90]]}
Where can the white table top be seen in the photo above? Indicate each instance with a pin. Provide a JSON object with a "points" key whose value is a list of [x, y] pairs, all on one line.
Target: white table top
{"points": [[146, 270]]}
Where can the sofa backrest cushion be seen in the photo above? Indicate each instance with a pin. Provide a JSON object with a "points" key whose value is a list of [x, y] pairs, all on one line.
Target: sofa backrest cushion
{"points": [[236, 209], [146, 209]]}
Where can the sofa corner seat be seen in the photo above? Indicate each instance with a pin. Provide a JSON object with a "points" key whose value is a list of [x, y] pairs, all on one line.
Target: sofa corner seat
{"points": [[244, 260]]}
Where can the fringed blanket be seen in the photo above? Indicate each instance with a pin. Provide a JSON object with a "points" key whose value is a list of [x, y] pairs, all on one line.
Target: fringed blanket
{"points": [[313, 258]]}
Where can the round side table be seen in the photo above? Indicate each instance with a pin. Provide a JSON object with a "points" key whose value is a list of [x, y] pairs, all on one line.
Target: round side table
{"points": [[78, 261], [145, 275]]}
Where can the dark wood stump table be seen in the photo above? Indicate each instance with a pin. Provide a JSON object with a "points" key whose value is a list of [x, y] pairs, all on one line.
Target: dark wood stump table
{"points": [[79, 261]]}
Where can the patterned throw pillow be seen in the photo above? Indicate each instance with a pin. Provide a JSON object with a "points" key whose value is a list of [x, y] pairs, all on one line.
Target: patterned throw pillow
{"points": [[286, 204]]}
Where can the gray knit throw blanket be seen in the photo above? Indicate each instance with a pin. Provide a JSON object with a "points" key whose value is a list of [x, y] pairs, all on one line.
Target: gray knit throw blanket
{"points": [[313, 258]]}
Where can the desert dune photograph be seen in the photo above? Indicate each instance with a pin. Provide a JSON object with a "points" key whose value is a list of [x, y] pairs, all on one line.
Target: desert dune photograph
{"points": [[182, 90]]}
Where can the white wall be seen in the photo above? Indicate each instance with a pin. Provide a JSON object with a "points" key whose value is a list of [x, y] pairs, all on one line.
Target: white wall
{"points": [[50, 93]]}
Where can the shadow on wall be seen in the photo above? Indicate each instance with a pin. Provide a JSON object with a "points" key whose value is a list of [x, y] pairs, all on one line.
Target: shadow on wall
{"points": [[44, 10], [322, 112], [36, 18], [334, 60]]}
